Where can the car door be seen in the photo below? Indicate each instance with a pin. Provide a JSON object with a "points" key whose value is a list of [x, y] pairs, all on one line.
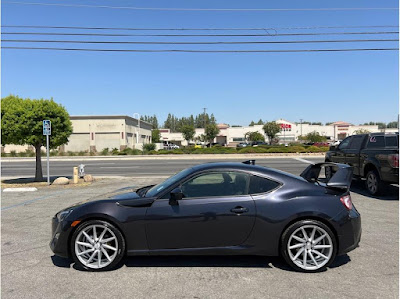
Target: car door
{"points": [[339, 155], [352, 153], [216, 211]]}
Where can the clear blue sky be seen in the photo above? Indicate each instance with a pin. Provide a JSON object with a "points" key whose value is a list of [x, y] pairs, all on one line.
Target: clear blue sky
{"points": [[353, 86]]}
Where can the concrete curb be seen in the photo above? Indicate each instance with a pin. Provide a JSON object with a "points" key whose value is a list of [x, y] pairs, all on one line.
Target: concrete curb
{"points": [[171, 157]]}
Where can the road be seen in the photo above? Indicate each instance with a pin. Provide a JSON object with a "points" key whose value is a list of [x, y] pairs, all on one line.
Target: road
{"points": [[142, 168]]}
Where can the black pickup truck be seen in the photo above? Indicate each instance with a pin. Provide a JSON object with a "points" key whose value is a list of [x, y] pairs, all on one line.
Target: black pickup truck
{"points": [[374, 157]]}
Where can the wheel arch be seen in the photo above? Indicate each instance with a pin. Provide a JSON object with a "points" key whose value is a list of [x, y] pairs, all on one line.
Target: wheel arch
{"points": [[370, 166], [101, 217]]}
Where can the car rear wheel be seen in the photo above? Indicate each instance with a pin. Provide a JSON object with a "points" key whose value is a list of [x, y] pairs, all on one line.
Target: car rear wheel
{"points": [[308, 246], [97, 245], [373, 182]]}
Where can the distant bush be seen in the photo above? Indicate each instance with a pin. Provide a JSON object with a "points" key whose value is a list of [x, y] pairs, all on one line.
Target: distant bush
{"points": [[29, 153], [114, 151], [53, 153], [82, 153], [316, 149], [22, 154], [13, 153], [296, 149], [105, 151], [253, 150], [278, 150], [69, 153], [149, 147]]}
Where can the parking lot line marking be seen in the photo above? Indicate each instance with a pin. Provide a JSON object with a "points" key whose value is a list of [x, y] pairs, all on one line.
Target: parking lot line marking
{"points": [[32, 200], [20, 189], [304, 160]]}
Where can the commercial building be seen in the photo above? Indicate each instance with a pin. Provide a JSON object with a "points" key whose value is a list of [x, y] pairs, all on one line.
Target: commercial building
{"points": [[290, 132], [95, 133]]}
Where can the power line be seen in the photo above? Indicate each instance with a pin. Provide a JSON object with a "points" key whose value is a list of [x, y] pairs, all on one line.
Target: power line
{"points": [[200, 9], [201, 35], [195, 29], [199, 43], [203, 51]]}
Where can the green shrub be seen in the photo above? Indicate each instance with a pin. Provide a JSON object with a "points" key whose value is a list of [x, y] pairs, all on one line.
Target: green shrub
{"points": [[278, 150], [82, 153], [105, 151], [13, 153], [149, 147], [296, 149], [69, 153], [114, 151], [22, 154], [314, 149], [30, 153], [253, 150], [53, 153], [177, 151]]}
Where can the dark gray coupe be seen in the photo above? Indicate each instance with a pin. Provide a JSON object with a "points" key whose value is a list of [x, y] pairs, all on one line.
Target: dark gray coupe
{"points": [[217, 209]]}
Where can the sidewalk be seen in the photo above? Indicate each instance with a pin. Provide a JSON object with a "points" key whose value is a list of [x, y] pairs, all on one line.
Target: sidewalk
{"points": [[167, 157]]}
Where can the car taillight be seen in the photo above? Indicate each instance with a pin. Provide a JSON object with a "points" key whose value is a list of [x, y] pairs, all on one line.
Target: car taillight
{"points": [[346, 201], [394, 160]]}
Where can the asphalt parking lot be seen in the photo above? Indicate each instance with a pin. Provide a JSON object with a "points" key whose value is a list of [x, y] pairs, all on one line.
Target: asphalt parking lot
{"points": [[30, 270]]}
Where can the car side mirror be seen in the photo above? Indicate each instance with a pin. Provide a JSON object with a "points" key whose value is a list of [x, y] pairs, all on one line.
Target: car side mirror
{"points": [[175, 195]]}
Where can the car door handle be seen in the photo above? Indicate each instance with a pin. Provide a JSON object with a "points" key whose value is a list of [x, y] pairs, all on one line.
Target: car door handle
{"points": [[239, 210]]}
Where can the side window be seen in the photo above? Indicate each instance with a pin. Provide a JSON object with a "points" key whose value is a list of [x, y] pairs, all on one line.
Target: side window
{"points": [[216, 184], [345, 143], [261, 185], [376, 141], [356, 142], [391, 140]]}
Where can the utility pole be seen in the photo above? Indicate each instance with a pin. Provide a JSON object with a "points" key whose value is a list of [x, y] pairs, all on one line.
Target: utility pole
{"points": [[204, 116], [301, 127]]}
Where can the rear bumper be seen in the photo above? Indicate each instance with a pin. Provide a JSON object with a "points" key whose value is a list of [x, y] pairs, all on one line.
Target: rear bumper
{"points": [[350, 232], [59, 237]]}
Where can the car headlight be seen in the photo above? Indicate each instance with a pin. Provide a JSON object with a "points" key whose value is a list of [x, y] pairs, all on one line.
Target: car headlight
{"points": [[63, 214]]}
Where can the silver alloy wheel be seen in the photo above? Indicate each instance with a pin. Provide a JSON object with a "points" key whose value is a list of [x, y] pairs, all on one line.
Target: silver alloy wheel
{"points": [[310, 247], [96, 246], [372, 182]]}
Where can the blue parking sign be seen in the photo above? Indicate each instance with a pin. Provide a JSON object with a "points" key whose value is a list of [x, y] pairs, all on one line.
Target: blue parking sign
{"points": [[46, 127]]}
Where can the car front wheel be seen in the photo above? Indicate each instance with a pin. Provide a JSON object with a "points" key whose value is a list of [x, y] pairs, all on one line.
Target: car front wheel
{"points": [[97, 245], [308, 246]]}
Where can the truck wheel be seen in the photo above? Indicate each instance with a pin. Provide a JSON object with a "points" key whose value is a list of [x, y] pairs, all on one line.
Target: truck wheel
{"points": [[373, 182]]}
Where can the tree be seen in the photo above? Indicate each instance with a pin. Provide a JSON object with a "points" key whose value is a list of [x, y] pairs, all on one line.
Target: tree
{"points": [[361, 131], [271, 129], [392, 124], [211, 132], [22, 123], [188, 132], [254, 136], [260, 122], [151, 119], [315, 137], [155, 135], [251, 124]]}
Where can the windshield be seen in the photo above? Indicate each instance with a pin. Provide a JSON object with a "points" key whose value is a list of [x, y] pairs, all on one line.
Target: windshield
{"points": [[168, 182]]}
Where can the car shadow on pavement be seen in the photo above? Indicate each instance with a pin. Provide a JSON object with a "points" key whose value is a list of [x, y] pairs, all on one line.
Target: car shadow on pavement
{"points": [[200, 261], [389, 192]]}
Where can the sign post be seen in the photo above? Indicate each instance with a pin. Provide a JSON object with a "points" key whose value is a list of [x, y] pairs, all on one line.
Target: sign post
{"points": [[47, 132]]}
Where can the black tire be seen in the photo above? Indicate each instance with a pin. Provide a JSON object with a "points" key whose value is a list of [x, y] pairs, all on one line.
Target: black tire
{"points": [[373, 182], [293, 228], [120, 252]]}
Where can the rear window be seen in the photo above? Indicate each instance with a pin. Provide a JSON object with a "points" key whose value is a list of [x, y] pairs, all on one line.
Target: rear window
{"points": [[261, 185], [376, 141], [392, 140]]}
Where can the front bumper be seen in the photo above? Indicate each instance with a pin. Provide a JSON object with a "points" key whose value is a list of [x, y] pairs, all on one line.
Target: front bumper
{"points": [[60, 232], [350, 232]]}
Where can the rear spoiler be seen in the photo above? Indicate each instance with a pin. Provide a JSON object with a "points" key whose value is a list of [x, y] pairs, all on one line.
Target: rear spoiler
{"points": [[340, 180]]}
